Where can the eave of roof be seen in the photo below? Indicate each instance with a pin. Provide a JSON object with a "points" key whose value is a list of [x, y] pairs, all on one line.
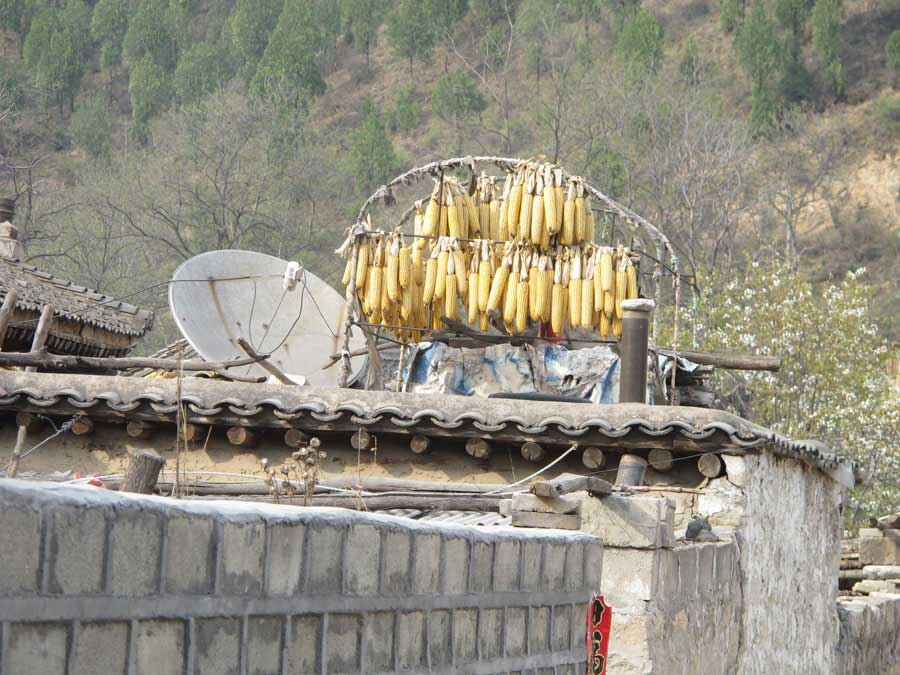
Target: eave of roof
{"points": [[36, 288], [624, 425]]}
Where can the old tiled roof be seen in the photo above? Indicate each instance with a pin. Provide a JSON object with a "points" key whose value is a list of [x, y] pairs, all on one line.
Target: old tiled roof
{"points": [[36, 288], [624, 425]]}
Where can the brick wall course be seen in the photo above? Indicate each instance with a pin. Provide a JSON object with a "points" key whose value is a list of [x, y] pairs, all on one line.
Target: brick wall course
{"points": [[134, 584]]}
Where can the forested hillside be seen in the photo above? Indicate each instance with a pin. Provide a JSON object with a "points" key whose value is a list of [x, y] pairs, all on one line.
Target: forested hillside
{"points": [[761, 135]]}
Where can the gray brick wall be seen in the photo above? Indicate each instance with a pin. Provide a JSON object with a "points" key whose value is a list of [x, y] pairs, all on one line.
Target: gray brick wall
{"points": [[99, 582]]}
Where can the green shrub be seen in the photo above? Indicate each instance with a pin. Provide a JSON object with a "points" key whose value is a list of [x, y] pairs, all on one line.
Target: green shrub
{"points": [[887, 109], [892, 51], [407, 112], [91, 126]]}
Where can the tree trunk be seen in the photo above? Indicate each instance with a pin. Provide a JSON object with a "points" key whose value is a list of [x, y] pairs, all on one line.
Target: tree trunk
{"points": [[143, 472]]}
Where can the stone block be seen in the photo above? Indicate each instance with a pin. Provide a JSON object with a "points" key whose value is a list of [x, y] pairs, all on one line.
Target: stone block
{"points": [[877, 586], [725, 554], [735, 469], [19, 564], [881, 550], [688, 566], [465, 635], [135, 541], [218, 647], [538, 630], [304, 644], [189, 555], [363, 558], [876, 532], [160, 648], [342, 644], [284, 560], [456, 565], [516, 631], [426, 563], [35, 648], [882, 571], [506, 565], [481, 566], [529, 502], [378, 640], [324, 553], [411, 645], [242, 559], [706, 557], [264, 636], [574, 574], [635, 521], [532, 559], [593, 566], [396, 562], [628, 576], [666, 582], [76, 551], [490, 634], [440, 650], [560, 627], [553, 569], [101, 647]]}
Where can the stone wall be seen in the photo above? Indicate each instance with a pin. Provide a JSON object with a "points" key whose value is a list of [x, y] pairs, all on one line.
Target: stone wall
{"points": [[869, 635], [99, 582]]}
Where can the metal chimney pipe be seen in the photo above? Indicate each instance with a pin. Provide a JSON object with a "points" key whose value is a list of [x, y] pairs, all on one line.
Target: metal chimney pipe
{"points": [[633, 346]]}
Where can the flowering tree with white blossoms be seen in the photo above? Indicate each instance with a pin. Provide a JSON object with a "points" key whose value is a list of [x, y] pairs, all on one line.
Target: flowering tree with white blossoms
{"points": [[834, 384]]}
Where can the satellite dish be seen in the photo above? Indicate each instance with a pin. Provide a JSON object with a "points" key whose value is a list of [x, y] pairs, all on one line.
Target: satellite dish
{"points": [[220, 296]]}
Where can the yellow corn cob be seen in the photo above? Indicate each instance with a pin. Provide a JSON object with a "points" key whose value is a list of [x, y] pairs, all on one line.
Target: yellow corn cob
{"points": [[362, 264], [559, 196], [376, 281], [474, 217], [392, 272], [498, 287], [387, 304], [417, 264], [532, 290], [549, 202], [609, 303], [514, 203], [541, 309], [567, 232], [588, 222], [345, 278], [443, 228], [440, 280], [484, 324], [453, 220], [603, 325], [459, 263], [404, 272], [484, 282], [406, 303], [524, 229], [494, 219], [432, 216], [418, 218], [450, 307], [557, 309], [621, 287], [580, 229], [431, 268], [503, 223], [575, 302], [472, 303], [607, 274], [537, 219], [509, 299], [522, 307], [617, 326], [631, 291], [436, 323], [598, 285], [587, 303]]}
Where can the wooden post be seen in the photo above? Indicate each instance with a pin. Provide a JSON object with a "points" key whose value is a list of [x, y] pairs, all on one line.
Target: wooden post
{"points": [[280, 376], [37, 344], [294, 438], [6, 312], [143, 472], [420, 444], [242, 436], [344, 370], [660, 459], [631, 470], [139, 429], [478, 448], [709, 465], [593, 458], [361, 439], [533, 452], [82, 426], [195, 433], [28, 420]]}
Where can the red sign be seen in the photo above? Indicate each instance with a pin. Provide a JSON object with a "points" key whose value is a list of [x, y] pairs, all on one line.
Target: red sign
{"points": [[599, 623]]}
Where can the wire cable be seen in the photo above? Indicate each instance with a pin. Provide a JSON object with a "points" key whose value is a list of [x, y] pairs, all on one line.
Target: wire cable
{"points": [[63, 428]]}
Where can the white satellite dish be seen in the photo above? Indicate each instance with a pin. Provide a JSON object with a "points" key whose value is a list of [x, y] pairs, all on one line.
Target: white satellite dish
{"points": [[220, 296]]}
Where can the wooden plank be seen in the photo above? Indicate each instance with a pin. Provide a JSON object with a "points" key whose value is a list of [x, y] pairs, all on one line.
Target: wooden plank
{"points": [[570, 483], [660, 460], [242, 436], [533, 452], [552, 521], [6, 313], [140, 429], [732, 361], [82, 426], [420, 444], [710, 465], [479, 448], [593, 458], [379, 502]]}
